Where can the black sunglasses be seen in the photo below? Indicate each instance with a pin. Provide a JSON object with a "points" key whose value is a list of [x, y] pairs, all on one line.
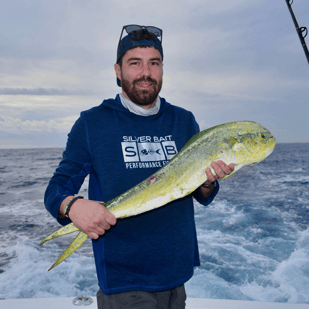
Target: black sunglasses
{"points": [[132, 28]]}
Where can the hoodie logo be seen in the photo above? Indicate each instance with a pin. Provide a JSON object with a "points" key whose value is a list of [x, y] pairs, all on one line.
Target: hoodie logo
{"points": [[146, 151]]}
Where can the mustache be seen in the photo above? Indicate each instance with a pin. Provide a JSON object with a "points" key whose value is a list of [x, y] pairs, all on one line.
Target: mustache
{"points": [[145, 79]]}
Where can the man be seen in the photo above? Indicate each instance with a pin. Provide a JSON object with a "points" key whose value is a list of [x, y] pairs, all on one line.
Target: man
{"points": [[142, 261]]}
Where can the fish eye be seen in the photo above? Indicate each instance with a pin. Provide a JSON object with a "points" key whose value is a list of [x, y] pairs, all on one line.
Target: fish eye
{"points": [[262, 135]]}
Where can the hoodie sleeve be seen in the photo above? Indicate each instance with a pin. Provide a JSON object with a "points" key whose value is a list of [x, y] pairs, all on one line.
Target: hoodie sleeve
{"points": [[197, 194], [75, 165]]}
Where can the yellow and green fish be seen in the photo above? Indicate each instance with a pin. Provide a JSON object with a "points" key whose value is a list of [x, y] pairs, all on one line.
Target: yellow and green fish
{"points": [[239, 142]]}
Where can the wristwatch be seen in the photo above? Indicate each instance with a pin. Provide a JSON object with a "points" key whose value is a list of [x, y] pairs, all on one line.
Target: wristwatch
{"points": [[69, 205], [210, 186]]}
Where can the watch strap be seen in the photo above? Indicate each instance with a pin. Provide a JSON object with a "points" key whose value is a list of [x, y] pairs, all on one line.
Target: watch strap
{"points": [[210, 186], [69, 205]]}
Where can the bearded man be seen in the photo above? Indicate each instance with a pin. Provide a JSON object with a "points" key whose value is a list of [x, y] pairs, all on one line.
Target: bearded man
{"points": [[141, 261]]}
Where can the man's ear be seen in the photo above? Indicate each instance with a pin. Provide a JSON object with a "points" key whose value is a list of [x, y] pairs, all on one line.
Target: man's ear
{"points": [[117, 70]]}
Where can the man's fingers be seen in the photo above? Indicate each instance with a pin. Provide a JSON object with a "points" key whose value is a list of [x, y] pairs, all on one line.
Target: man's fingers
{"points": [[210, 176], [227, 169], [218, 169], [97, 230], [222, 169], [231, 166], [110, 218], [92, 218], [103, 225], [93, 235], [104, 222]]}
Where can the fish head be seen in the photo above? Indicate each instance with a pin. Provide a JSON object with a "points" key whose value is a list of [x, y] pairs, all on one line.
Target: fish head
{"points": [[250, 143], [262, 144]]}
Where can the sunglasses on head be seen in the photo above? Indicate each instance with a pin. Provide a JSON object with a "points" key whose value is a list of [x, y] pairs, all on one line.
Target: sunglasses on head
{"points": [[130, 29], [153, 30]]}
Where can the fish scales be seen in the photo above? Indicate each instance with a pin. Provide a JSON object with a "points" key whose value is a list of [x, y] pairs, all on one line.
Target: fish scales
{"points": [[186, 171], [239, 142]]}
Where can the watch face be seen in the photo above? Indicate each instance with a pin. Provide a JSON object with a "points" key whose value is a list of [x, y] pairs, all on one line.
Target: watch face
{"points": [[212, 185]]}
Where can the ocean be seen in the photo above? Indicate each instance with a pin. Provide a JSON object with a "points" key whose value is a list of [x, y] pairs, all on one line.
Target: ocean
{"points": [[253, 238]]}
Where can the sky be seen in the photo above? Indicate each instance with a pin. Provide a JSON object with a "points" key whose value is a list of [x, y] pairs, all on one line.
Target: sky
{"points": [[225, 61]]}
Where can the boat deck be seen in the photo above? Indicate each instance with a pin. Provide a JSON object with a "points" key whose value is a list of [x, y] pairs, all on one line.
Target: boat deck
{"points": [[192, 303]]}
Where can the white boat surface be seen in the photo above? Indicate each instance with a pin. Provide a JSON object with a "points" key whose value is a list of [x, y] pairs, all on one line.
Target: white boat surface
{"points": [[191, 303]]}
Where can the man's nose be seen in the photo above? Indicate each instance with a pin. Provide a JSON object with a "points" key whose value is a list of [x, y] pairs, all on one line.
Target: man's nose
{"points": [[146, 70]]}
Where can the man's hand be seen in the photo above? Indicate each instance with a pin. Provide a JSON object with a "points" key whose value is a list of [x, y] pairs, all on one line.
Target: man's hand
{"points": [[221, 169], [91, 217]]}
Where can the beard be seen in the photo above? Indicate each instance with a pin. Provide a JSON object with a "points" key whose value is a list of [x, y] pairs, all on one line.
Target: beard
{"points": [[141, 97]]}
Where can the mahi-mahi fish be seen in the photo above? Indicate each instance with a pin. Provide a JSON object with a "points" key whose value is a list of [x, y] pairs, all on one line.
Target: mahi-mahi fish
{"points": [[239, 142]]}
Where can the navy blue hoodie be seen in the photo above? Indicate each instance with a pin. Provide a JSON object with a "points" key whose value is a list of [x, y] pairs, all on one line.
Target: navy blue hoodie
{"points": [[154, 251]]}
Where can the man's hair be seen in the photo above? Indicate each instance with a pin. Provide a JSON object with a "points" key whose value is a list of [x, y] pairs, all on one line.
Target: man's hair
{"points": [[140, 35], [143, 35]]}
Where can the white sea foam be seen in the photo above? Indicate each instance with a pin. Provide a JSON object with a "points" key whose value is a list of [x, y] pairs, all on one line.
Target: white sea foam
{"points": [[290, 178], [289, 282], [222, 206], [253, 240], [204, 284], [27, 277]]}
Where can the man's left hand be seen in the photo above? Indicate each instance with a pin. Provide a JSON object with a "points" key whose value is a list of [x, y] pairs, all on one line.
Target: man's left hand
{"points": [[221, 170]]}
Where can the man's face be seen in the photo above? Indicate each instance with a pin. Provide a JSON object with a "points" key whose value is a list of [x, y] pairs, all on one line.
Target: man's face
{"points": [[141, 75]]}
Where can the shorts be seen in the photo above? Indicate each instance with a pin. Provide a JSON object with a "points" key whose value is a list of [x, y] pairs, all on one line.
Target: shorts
{"points": [[171, 299]]}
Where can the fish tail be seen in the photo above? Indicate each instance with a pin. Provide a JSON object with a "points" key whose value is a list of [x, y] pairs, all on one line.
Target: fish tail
{"points": [[70, 228], [75, 244]]}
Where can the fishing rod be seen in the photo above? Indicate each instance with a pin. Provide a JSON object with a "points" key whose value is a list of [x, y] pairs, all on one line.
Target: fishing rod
{"points": [[300, 30]]}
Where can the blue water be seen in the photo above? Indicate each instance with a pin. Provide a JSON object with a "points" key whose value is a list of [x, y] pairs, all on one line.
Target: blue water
{"points": [[253, 239]]}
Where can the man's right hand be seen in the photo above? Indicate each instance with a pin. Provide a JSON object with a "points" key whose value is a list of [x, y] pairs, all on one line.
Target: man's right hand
{"points": [[91, 217]]}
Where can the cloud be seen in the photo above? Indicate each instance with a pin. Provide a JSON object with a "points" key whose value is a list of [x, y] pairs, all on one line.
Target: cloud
{"points": [[54, 77], [224, 60], [16, 125], [42, 91]]}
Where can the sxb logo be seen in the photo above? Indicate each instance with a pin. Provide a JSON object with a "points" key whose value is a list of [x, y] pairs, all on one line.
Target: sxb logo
{"points": [[147, 152]]}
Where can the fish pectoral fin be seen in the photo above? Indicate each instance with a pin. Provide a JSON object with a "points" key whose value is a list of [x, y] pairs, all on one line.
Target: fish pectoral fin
{"points": [[75, 244], [67, 229], [239, 147], [230, 140]]}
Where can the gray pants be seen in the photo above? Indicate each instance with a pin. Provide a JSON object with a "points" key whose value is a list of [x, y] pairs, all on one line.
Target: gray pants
{"points": [[170, 299]]}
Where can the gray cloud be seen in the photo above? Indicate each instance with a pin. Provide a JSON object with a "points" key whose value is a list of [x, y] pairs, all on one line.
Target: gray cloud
{"points": [[42, 91], [224, 60]]}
